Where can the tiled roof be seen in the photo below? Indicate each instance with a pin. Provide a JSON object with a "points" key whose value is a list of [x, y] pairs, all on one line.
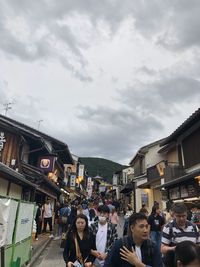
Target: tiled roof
{"points": [[194, 118]]}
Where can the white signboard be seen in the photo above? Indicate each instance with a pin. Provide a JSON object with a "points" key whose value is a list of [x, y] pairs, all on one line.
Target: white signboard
{"points": [[24, 221], [8, 209], [81, 171], [89, 186], [2, 140], [115, 179]]}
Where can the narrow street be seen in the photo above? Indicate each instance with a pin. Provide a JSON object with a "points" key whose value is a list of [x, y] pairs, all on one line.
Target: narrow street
{"points": [[53, 255]]}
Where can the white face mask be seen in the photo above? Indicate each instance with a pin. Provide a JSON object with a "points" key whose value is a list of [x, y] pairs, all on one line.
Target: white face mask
{"points": [[102, 218]]}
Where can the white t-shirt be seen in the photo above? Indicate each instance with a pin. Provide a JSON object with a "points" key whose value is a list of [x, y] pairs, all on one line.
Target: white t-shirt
{"points": [[101, 239], [47, 211], [138, 252]]}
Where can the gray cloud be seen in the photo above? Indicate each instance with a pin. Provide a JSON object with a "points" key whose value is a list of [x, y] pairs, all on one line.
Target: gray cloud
{"points": [[177, 28], [158, 95], [142, 107], [116, 132], [147, 71]]}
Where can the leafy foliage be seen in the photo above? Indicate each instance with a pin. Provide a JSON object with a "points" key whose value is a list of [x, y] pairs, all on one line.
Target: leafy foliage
{"points": [[101, 167]]}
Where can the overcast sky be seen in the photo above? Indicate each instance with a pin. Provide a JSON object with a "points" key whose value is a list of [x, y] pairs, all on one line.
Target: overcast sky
{"points": [[106, 76]]}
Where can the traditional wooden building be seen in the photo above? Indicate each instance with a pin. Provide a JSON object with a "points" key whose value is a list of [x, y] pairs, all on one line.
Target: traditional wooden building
{"points": [[181, 172], [31, 162]]}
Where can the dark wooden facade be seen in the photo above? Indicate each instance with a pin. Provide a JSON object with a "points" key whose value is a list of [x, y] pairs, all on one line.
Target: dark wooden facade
{"points": [[21, 150], [10, 151], [181, 180]]}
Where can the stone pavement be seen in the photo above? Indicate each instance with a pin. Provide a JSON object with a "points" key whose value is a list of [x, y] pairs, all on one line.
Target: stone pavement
{"points": [[51, 256], [38, 246]]}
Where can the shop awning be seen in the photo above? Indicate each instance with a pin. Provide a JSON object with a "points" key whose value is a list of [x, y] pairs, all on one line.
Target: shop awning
{"points": [[148, 184], [46, 193], [183, 178], [128, 188]]}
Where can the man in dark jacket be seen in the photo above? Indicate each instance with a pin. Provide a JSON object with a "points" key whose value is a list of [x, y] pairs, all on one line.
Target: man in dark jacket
{"points": [[135, 249]]}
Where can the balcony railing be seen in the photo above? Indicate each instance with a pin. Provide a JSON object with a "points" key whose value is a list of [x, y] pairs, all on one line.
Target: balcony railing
{"points": [[152, 173], [173, 171], [166, 170]]}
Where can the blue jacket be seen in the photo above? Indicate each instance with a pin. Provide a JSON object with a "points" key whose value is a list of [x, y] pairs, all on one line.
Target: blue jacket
{"points": [[151, 256]]}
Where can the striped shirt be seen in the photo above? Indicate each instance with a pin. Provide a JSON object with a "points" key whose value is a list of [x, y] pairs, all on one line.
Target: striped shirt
{"points": [[172, 234]]}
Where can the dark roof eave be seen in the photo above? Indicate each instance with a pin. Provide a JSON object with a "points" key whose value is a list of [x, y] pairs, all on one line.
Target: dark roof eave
{"points": [[180, 179], [143, 150], [183, 127], [52, 185], [37, 134], [13, 174], [148, 183]]}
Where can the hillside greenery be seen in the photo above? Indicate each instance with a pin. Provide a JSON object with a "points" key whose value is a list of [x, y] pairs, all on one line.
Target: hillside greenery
{"points": [[101, 167]]}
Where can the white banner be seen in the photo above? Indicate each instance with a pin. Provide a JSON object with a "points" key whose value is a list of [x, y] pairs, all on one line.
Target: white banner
{"points": [[24, 221], [81, 171], [8, 209], [115, 179], [89, 186]]}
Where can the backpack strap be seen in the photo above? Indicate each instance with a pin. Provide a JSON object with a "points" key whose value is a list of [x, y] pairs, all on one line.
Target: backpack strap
{"points": [[196, 232], [125, 241], [171, 232], [150, 249], [172, 235]]}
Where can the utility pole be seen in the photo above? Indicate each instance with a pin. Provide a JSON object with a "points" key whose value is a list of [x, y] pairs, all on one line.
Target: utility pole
{"points": [[39, 122], [7, 106]]}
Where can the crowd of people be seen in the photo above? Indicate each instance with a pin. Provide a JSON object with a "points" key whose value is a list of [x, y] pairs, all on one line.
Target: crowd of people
{"points": [[90, 237]]}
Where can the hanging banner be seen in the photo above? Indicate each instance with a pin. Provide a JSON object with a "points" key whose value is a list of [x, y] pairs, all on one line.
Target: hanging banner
{"points": [[80, 172], [46, 163], [8, 210], [72, 180]]}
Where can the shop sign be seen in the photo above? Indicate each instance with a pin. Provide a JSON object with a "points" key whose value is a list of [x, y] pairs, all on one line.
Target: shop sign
{"points": [[81, 172], [164, 195], [2, 140], [174, 193], [145, 198], [115, 179], [191, 190], [72, 180], [184, 191], [46, 163]]}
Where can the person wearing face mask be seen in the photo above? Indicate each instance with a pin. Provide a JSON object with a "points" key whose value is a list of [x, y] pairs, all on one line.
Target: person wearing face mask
{"points": [[105, 233]]}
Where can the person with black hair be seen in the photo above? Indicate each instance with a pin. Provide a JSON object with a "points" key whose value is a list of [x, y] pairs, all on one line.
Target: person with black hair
{"points": [[136, 249], [79, 243], [105, 233], [38, 220], [185, 254], [156, 222], [179, 229]]}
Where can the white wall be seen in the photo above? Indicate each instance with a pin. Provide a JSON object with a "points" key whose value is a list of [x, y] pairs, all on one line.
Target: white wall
{"points": [[152, 157]]}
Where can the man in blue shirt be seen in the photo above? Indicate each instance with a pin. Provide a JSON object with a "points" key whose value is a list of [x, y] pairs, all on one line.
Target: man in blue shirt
{"points": [[135, 249]]}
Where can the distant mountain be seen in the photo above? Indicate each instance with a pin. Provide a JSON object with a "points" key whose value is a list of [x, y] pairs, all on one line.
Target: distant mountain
{"points": [[102, 167]]}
